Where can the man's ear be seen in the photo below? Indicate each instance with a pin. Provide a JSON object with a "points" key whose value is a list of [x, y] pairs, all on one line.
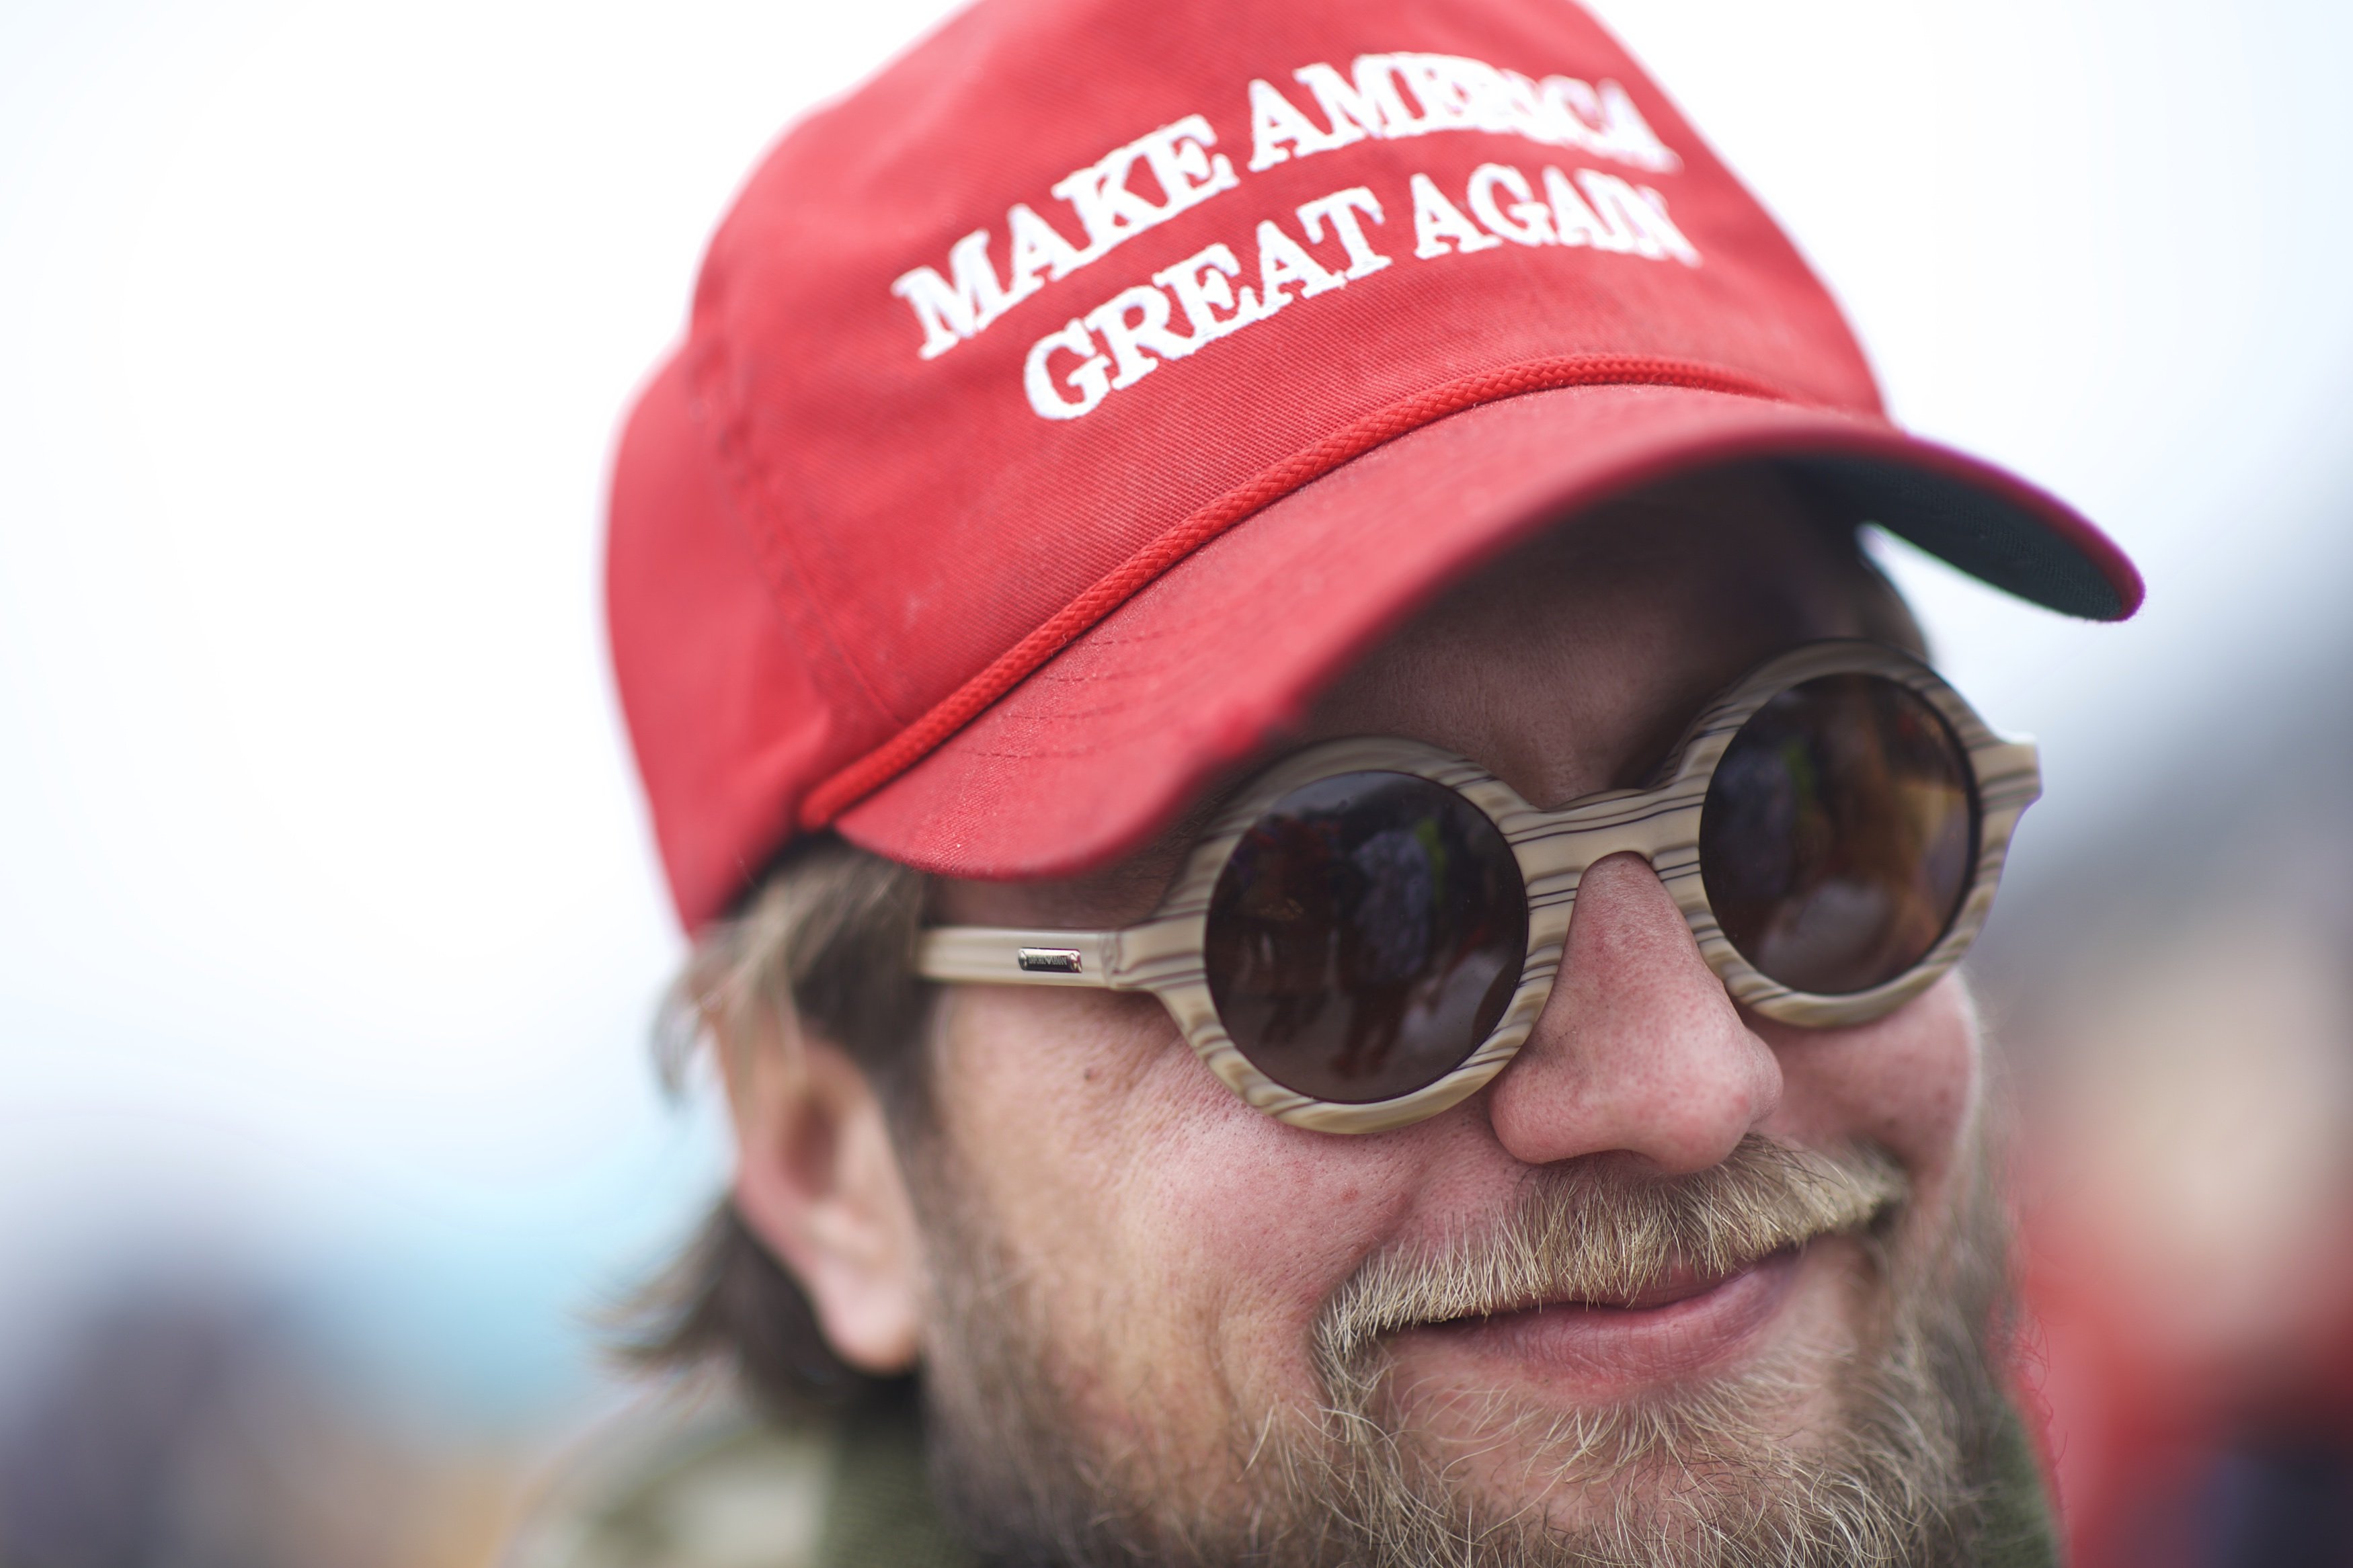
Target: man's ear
{"points": [[819, 1182]]}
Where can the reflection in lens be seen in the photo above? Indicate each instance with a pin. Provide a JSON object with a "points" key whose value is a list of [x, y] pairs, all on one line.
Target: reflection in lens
{"points": [[1366, 936], [1838, 834]]}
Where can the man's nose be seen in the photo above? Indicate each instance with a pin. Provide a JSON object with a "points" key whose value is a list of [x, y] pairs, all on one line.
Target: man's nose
{"points": [[1639, 1049]]}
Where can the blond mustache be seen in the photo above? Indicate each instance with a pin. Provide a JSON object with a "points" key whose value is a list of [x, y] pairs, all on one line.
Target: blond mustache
{"points": [[1605, 1235]]}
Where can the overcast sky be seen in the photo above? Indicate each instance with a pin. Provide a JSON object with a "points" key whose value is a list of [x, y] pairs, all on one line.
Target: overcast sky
{"points": [[328, 922]]}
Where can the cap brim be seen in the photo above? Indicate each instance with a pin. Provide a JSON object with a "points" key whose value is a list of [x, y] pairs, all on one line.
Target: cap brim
{"points": [[1095, 752]]}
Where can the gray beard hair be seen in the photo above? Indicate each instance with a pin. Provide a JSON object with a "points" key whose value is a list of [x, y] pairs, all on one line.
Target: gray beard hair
{"points": [[1699, 1479]]}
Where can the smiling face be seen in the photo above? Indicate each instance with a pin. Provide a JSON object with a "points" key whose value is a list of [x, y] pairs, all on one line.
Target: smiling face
{"points": [[1147, 1302]]}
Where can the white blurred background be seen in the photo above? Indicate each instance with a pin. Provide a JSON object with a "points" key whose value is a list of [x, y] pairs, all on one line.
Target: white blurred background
{"points": [[329, 923]]}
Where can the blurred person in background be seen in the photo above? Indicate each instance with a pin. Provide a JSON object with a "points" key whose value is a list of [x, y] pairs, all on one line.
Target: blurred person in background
{"points": [[2183, 1027], [1325, 886], [182, 1414]]}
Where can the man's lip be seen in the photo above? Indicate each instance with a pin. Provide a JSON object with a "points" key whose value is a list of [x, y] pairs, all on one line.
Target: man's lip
{"points": [[1680, 1283], [1685, 1324]]}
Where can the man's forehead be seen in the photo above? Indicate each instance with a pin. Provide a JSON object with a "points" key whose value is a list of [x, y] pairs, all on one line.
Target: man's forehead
{"points": [[1572, 665]]}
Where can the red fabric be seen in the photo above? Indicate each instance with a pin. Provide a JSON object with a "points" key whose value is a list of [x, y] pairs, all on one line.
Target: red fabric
{"points": [[831, 555], [879, 766]]}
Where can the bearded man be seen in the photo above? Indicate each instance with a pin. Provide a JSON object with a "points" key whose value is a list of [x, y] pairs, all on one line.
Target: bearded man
{"points": [[1325, 886]]}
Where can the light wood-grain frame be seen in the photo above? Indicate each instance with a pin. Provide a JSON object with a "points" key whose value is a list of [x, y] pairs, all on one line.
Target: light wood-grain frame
{"points": [[1163, 954]]}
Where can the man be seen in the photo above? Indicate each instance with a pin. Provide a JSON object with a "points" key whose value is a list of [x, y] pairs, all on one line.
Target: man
{"points": [[1325, 885]]}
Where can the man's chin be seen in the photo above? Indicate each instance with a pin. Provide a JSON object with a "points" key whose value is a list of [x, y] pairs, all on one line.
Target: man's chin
{"points": [[1566, 1410]]}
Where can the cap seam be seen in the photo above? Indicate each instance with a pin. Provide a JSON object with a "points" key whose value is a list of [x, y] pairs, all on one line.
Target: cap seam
{"points": [[771, 546]]}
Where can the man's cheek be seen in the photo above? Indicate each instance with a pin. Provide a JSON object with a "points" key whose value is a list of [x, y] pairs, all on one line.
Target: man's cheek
{"points": [[1908, 1083], [1042, 1090], [1164, 1218], [1251, 1225], [1119, 1131]]}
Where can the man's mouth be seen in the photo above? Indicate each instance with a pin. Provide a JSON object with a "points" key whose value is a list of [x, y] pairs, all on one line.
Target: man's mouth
{"points": [[1614, 1281], [1681, 1281], [1684, 1322]]}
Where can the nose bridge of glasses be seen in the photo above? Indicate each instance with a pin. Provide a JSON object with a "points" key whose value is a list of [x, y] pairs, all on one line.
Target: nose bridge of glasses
{"points": [[1556, 848]]}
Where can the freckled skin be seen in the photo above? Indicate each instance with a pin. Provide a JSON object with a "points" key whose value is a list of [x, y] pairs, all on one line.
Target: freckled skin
{"points": [[1185, 1243]]}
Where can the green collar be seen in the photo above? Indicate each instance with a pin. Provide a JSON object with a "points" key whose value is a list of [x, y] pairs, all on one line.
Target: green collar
{"points": [[881, 1514]]}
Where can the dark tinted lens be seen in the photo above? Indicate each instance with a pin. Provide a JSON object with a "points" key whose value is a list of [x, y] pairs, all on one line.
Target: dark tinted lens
{"points": [[1366, 936], [1838, 834]]}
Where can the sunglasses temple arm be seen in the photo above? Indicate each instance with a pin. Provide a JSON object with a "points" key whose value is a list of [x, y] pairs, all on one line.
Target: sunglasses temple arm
{"points": [[1007, 955]]}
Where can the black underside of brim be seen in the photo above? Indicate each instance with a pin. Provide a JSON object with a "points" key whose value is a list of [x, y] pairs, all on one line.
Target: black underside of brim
{"points": [[1986, 535]]}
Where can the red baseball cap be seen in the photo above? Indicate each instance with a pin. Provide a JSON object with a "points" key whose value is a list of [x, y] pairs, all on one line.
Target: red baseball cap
{"points": [[1063, 408]]}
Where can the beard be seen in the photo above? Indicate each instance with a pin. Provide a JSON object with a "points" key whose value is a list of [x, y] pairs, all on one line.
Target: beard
{"points": [[1709, 1475]]}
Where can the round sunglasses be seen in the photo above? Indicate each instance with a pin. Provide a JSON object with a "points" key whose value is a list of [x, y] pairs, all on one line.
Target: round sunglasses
{"points": [[1367, 932]]}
